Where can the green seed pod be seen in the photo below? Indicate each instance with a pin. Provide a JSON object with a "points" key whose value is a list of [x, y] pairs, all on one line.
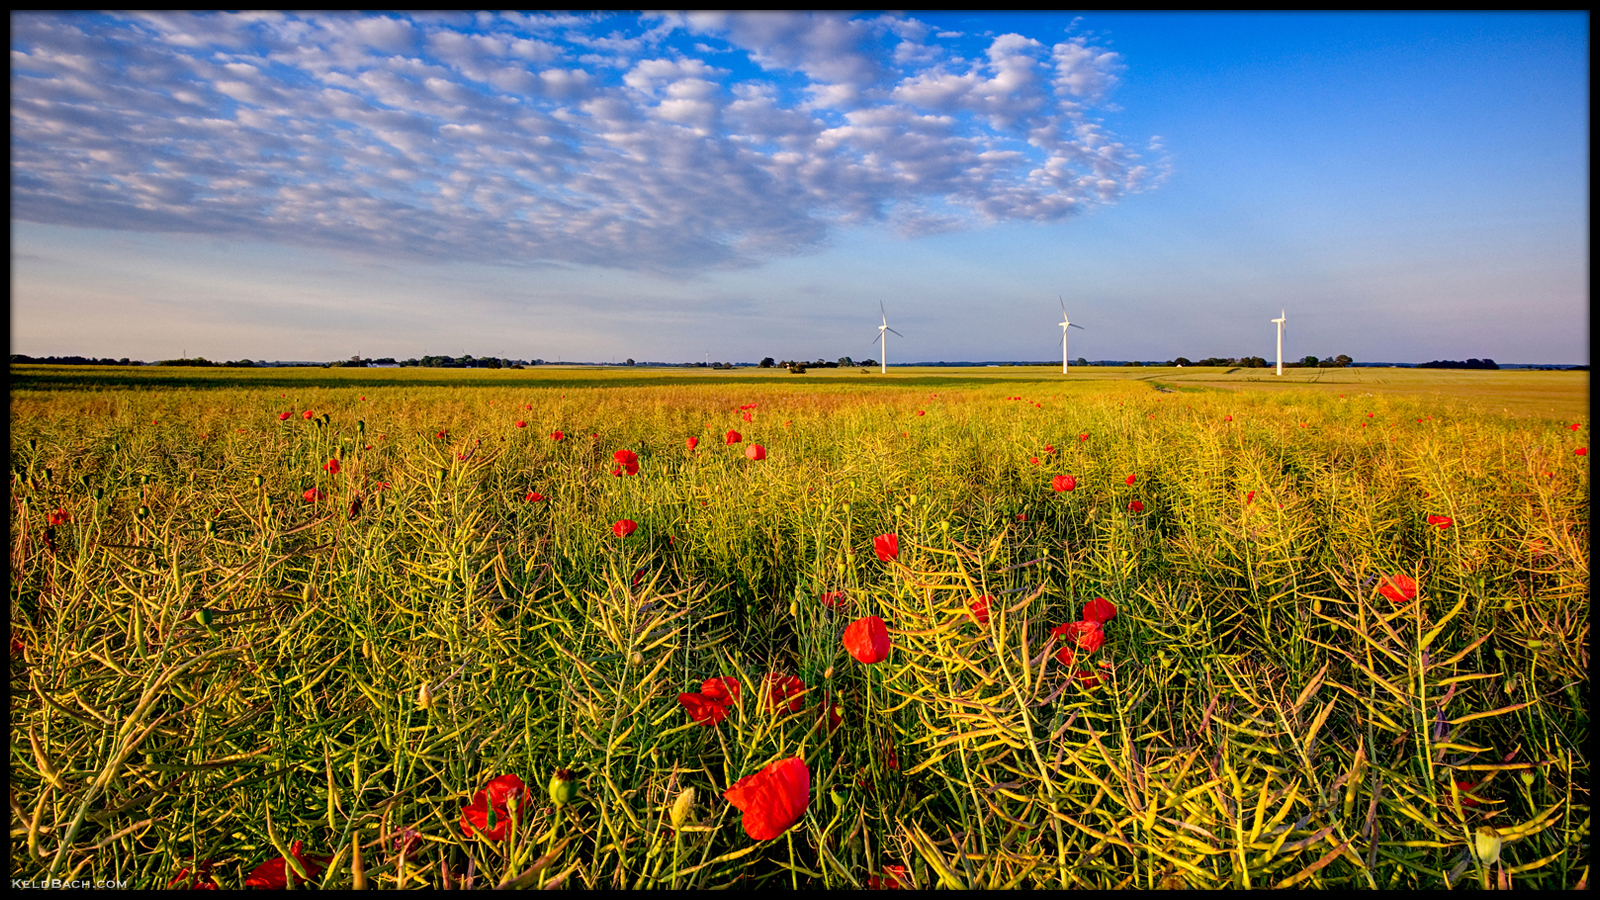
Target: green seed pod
{"points": [[143, 513], [99, 493], [204, 617], [562, 787]]}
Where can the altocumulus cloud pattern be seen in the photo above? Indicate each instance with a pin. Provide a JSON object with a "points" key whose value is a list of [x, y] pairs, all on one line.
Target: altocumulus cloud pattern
{"points": [[663, 143]]}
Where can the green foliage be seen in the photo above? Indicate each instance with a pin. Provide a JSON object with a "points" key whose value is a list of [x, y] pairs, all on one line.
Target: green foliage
{"points": [[207, 665]]}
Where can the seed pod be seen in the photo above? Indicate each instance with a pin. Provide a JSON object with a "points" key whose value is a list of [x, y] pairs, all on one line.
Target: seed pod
{"points": [[424, 697], [143, 512], [562, 787]]}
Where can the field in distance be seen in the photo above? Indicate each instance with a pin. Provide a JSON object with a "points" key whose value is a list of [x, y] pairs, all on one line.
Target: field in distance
{"points": [[636, 627]]}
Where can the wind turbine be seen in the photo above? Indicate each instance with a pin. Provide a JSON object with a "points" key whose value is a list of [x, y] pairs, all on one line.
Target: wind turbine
{"points": [[1065, 324], [883, 337], [1282, 320]]}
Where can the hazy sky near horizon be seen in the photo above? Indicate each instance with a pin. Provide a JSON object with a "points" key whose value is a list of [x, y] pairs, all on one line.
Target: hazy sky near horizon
{"points": [[1407, 186]]}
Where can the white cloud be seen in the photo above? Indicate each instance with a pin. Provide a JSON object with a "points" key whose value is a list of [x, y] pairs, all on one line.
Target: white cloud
{"points": [[597, 140]]}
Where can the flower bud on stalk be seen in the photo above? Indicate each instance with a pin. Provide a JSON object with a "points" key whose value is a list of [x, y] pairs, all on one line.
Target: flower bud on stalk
{"points": [[562, 787]]}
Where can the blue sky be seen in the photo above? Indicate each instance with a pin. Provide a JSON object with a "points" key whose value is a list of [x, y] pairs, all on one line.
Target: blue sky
{"points": [[1408, 186]]}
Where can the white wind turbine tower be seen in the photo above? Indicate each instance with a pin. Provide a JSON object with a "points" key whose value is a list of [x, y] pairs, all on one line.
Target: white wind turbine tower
{"points": [[1282, 320], [883, 337], [1065, 324]]}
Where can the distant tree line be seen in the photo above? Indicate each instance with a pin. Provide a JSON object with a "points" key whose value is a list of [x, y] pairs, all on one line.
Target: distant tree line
{"points": [[24, 359], [1457, 364], [461, 362], [1255, 362]]}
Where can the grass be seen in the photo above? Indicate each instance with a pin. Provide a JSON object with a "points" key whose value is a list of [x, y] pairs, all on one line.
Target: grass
{"points": [[209, 668]]}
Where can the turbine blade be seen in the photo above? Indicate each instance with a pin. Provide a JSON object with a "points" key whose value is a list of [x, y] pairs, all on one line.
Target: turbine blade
{"points": [[1079, 327], [892, 331], [1063, 306]]}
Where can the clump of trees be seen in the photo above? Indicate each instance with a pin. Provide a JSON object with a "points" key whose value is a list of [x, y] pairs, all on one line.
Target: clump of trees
{"points": [[1457, 364]]}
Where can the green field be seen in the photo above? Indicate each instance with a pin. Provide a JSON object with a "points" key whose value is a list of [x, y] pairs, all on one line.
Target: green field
{"points": [[224, 645]]}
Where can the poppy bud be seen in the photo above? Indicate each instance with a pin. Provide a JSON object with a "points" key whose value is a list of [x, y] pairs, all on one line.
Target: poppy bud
{"points": [[682, 807], [563, 788], [424, 697], [258, 481], [143, 512], [1486, 843], [204, 617]]}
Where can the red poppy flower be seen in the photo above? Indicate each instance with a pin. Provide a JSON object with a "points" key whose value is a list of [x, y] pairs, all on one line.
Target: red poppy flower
{"points": [[624, 527], [1249, 498], [785, 693], [921, 413], [276, 873], [1227, 418], [710, 706], [312, 495], [307, 414], [627, 461], [58, 517], [732, 437], [1099, 610], [331, 467], [1088, 678], [693, 443], [893, 879], [1083, 437], [1064, 483], [887, 546], [1575, 426], [198, 879], [556, 436], [773, 799], [867, 639], [1441, 522], [521, 424], [755, 452], [1132, 478], [1034, 460], [1049, 448], [1467, 800], [980, 609], [1086, 635], [748, 417], [834, 599], [534, 497], [1136, 507], [491, 810], [1581, 451], [284, 417], [1399, 588]]}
